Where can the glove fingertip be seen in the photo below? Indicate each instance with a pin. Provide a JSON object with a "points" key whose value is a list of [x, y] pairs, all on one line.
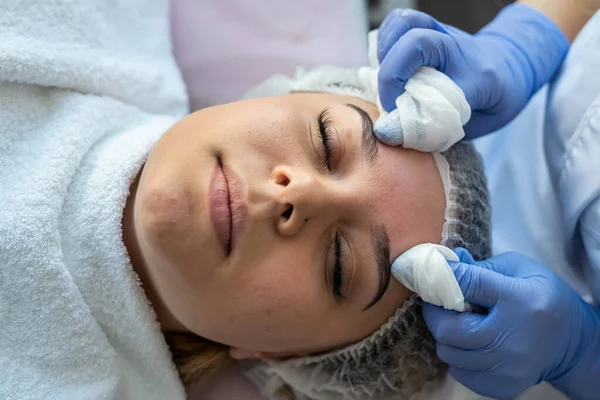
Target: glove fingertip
{"points": [[431, 313], [457, 374], [389, 18], [388, 104], [477, 126], [390, 87], [388, 33], [382, 47], [476, 284], [401, 62], [458, 269], [464, 255]]}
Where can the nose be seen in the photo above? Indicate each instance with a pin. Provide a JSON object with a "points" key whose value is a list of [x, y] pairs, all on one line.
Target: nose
{"points": [[300, 197]]}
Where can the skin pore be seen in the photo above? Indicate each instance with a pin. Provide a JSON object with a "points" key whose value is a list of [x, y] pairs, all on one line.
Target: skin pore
{"points": [[309, 271]]}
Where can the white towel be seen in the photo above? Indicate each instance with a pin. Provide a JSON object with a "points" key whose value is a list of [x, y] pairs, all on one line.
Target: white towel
{"points": [[86, 88], [119, 48]]}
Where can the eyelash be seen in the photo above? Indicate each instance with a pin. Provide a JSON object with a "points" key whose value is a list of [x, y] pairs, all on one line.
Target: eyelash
{"points": [[338, 270], [325, 126]]}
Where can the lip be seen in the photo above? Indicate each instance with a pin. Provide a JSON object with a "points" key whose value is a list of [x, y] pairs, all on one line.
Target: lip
{"points": [[227, 207], [237, 205]]}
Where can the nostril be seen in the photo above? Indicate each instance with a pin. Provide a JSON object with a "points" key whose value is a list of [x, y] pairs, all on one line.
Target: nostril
{"points": [[282, 179], [288, 212]]}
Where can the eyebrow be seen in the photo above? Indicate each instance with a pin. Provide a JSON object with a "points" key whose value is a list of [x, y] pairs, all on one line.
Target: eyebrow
{"points": [[369, 141], [381, 252]]}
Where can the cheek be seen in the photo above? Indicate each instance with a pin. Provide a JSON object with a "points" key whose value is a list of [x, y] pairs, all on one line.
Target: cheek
{"points": [[284, 141], [163, 211], [165, 219], [273, 305], [268, 127]]}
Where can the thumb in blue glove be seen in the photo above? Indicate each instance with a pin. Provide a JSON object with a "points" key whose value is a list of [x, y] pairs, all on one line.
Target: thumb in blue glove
{"points": [[536, 328], [499, 69]]}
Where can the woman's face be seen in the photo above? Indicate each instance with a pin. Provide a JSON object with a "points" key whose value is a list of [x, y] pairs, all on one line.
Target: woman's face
{"points": [[257, 235]]}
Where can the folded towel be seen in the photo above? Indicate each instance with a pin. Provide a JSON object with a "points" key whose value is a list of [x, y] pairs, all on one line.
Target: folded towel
{"points": [[86, 88]]}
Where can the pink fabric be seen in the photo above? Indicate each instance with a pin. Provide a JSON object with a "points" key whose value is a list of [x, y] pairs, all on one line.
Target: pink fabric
{"points": [[225, 47]]}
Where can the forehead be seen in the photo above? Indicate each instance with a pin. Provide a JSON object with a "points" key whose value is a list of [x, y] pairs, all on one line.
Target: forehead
{"points": [[318, 100]]}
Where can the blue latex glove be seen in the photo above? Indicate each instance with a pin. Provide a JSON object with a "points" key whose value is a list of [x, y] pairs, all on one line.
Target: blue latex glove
{"points": [[499, 69], [536, 328]]}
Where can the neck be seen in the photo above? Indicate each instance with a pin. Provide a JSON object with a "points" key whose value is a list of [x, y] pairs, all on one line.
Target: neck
{"points": [[131, 240]]}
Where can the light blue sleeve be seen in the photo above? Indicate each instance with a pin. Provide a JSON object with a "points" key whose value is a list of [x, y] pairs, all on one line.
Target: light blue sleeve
{"points": [[579, 193], [572, 149], [590, 234]]}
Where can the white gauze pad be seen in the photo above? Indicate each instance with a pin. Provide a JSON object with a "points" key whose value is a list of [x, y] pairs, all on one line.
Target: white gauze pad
{"points": [[424, 270]]}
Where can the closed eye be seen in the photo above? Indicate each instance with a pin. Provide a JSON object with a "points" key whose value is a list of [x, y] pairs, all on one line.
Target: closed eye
{"points": [[325, 130], [338, 269], [338, 266]]}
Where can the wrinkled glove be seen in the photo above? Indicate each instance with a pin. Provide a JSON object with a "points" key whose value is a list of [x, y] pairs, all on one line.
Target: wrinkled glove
{"points": [[499, 69], [535, 328]]}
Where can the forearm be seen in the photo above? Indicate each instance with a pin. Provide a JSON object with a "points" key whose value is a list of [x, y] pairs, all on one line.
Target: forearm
{"points": [[569, 15], [538, 44]]}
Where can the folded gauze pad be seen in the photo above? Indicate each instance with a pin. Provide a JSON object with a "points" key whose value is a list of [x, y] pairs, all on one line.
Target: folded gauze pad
{"points": [[430, 114], [424, 270]]}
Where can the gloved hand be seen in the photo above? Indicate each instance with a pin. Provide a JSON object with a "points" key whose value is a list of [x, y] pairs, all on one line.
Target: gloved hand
{"points": [[499, 69], [536, 328]]}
